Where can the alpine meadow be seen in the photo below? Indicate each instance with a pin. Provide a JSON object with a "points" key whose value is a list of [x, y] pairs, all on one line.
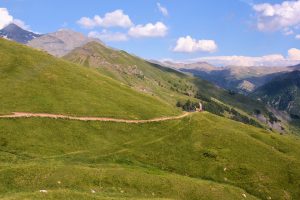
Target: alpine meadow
{"points": [[148, 100]]}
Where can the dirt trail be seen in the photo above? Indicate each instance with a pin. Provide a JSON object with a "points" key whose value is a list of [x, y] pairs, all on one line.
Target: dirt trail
{"points": [[103, 119]]}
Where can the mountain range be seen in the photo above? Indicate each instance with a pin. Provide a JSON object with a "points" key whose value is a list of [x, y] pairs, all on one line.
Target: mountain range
{"points": [[57, 44], [241, 79], [61, 42]]}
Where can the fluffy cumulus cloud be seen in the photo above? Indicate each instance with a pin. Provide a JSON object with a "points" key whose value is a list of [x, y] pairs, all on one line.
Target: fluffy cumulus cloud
{"points": [[244, 60], [294, 54], [293, 58], [108, 36], [116, 18], [86, 22], [162, 9], [273, 17], [158, 29], [5, 18], [189, 45]]}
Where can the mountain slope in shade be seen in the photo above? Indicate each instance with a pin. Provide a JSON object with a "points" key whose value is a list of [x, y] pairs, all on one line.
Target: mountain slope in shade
{"points": [[282, 93], [16, 33], [61, 42]]}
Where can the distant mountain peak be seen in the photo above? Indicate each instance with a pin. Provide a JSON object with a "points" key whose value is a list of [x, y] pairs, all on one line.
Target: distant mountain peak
{"points": [[61, 42], [67, 31], [12, 27], [16, 33]]}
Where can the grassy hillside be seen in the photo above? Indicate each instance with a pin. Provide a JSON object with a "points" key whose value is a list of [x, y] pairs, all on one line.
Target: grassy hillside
{"points": [[165, 83], [199, 157], [33, 81], [139, 74]]}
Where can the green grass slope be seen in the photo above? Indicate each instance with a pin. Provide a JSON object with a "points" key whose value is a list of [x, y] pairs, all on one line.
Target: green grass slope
{"points": [[139, 74], [33, 81], [165, 83], [199, 157]]}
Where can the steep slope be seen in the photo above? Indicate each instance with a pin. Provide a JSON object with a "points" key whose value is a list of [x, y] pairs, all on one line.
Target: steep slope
{"points": [[139, 74], [15, 33], [199, 157], [61, 42], [33, 81], [165, 83], [282, 93]]}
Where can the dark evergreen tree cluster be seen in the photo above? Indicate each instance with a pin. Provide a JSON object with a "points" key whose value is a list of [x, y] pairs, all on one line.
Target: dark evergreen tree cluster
{"points": [[242, 118], [188, 106]]}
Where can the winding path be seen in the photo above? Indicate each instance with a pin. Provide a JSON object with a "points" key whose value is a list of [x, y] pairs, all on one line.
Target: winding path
{"points": [[103, 119]]}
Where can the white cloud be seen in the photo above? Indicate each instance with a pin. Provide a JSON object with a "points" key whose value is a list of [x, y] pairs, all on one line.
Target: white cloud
{"points": [[294, 54], [274, 17], [86, 22], [297, 37], [189, 45], [108, 36], [162, 9], [268, 60], [5, 18], [116, 18], [274, 60], [149, 30]]}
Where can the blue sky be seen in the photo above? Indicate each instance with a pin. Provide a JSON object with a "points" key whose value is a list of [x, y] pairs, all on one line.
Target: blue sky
{"points": [[224, 27]]}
